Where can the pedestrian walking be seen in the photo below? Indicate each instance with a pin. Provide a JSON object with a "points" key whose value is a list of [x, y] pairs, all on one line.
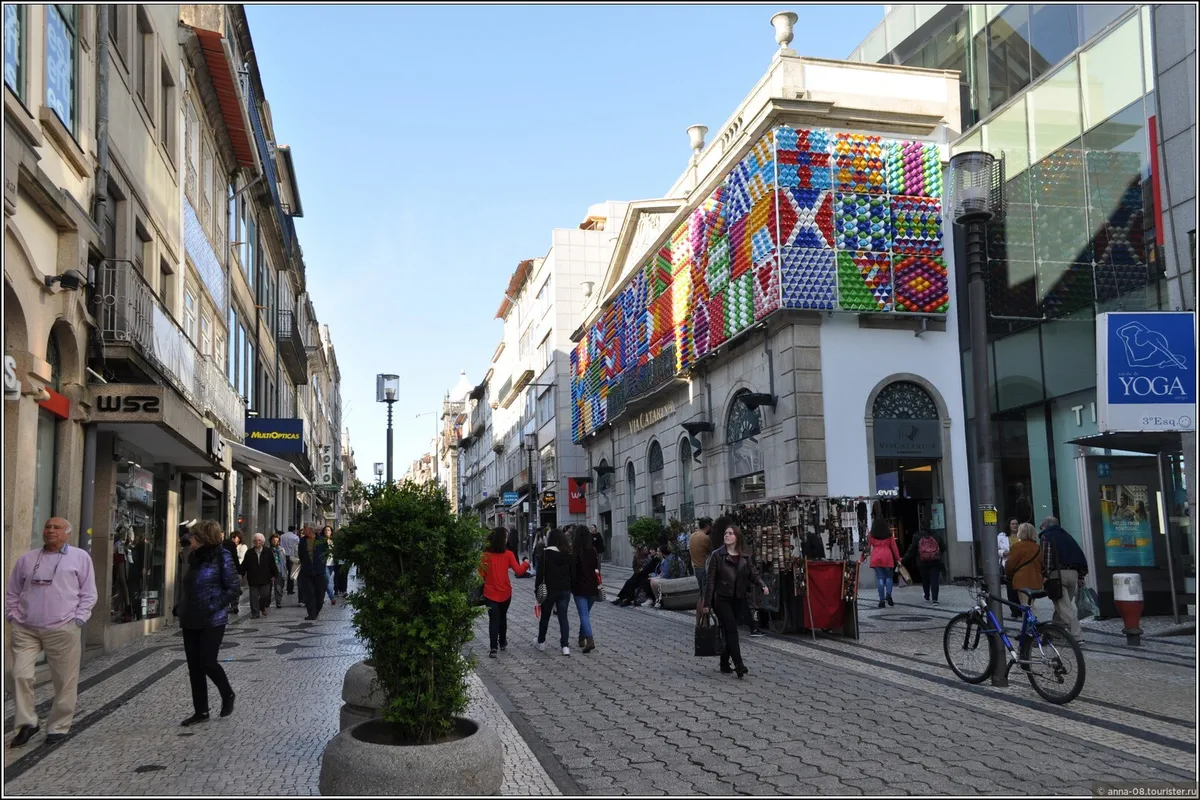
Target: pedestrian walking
{"points": [[1063, 562], [330, 564], [237, 548], [259, 569], [927, 550], [497, 590], [50, 596], [731, 577], [290, 542], [1024, 567], [585, 583], [885, 557], [700, 546], [280, 578], [209, 583], [597, 540], [313, 553], [555, 573]]}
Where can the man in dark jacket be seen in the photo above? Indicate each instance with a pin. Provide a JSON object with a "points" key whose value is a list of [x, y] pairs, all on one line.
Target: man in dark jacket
{"points": [[313, 551], [260, 569], [1063, 559]]}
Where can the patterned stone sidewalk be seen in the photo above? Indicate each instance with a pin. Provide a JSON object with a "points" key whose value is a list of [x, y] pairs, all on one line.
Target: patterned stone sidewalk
{"points": [[126, 739]]}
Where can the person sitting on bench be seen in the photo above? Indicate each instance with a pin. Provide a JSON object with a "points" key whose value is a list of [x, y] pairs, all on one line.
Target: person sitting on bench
{"points": [[671, 567], [639, 581]]}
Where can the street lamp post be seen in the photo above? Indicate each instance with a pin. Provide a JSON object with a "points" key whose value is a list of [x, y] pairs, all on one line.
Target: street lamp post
{"points": [[972, 203], [530, 446], [378, 472], [387, 387]]}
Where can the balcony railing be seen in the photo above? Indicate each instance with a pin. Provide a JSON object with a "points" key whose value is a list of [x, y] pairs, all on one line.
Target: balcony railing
{"points": [[291, 348], [128, 313]]}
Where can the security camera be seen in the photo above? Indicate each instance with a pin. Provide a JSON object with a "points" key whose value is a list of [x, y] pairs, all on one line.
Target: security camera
{"points": [[70, 280]]}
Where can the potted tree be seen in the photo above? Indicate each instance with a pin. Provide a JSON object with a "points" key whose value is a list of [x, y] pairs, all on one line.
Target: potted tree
{"points": [[417, 562]]}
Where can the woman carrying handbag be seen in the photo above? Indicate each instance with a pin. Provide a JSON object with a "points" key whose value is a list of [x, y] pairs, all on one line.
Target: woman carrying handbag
{"points": [[731, 577]]}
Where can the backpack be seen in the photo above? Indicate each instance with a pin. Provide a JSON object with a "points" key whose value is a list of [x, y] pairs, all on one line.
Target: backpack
{"points": [[929, 549]]}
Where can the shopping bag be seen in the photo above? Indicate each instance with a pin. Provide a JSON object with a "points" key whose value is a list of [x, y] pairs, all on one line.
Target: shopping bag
{"points": [[1087, 602], [708, 636], [476, 596], [904, 576]]}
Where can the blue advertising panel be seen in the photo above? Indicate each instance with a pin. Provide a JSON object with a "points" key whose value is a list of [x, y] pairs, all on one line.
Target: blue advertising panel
{"points": [[1147, 371], [275, 435], [510, 498]]}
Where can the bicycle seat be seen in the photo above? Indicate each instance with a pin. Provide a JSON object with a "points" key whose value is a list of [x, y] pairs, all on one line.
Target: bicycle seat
{"points": [[1033, 595]]}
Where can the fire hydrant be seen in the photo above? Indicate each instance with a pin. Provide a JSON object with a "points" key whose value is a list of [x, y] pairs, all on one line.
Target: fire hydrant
{"points": [[1127, 594]]}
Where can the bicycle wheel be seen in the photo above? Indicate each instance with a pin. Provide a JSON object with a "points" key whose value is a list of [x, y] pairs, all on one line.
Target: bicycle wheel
{"points": [[966, 646], [1056, 669]]}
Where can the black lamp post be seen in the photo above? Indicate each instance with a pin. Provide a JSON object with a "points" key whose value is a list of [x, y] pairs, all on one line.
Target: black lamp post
{"points": [[975, 195], [378, 472], [387, 388]]}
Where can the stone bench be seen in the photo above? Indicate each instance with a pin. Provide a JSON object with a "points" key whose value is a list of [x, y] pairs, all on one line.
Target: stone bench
{"points": [[679, 593]]}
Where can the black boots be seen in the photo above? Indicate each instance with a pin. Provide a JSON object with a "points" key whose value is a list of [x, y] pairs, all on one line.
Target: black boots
{"points": [[226, 705], [589, 644], [195, 718]]}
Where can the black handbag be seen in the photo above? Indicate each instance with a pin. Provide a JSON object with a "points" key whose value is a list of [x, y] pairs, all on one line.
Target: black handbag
{"points": [[1053, 586], [709, 638]]}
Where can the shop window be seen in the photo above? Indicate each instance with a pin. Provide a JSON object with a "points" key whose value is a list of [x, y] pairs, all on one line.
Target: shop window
{"points": [[747, 472], [658, 504], [1112, 73], [1018, 370], [14, 49], [1008, 54], [1053, 35], [139, 541], [61, 43]]}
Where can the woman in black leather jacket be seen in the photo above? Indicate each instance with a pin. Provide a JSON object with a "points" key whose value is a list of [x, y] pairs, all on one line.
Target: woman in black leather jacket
{"points": [[557, 572], [730, 578]]}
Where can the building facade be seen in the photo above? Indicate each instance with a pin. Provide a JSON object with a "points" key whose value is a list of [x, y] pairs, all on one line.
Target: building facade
{"points": [[1093, 110], [516, 437], [780, 324], [139, 351]]}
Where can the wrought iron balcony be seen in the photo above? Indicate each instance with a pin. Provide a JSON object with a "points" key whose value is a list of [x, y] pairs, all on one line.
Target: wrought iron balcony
{"points": [[222, 402], [291, 348]]}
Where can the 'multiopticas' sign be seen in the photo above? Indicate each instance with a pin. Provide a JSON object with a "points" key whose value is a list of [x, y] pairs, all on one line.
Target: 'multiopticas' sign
{"points": [[275, 435]]}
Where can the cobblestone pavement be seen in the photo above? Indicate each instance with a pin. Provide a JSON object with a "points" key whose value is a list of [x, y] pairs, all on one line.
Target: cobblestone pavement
{"points": [[126, 738], [641, 715]]}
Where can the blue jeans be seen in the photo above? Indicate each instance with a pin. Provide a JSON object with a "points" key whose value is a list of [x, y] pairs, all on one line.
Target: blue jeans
{"points": [[559, 604], [883, 582], [584, 606], [329, 582]]}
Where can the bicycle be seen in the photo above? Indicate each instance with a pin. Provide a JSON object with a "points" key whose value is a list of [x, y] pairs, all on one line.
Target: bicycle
{"points": [[1045, 651]]}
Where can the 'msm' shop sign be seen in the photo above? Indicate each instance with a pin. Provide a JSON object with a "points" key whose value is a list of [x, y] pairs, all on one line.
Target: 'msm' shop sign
{"points": [[1146, 366]]}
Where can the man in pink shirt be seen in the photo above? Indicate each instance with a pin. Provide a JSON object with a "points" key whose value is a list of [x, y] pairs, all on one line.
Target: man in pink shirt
{"points": [[50, 596]]}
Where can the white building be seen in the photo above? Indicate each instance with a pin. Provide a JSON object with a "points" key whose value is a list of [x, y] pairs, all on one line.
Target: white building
{"points": [[809, 356]]}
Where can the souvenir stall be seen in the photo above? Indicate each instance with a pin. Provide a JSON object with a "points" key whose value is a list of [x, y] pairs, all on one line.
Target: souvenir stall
{"points": [[806, 549]]}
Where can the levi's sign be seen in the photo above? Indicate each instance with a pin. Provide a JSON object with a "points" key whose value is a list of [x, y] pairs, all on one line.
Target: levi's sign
{"points": [[1147, 371], [275, 435]]}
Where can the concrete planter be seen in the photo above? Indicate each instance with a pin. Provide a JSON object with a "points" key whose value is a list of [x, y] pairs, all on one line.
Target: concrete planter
{"points": [[363, 699], [366, 760], [679, 594]]}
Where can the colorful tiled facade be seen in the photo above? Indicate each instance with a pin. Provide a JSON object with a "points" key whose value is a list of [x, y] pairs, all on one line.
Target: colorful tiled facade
{"points": [[809, 220]]}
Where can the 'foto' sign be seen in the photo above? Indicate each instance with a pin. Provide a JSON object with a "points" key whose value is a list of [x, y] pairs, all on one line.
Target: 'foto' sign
{"points": [[1146, 366]]}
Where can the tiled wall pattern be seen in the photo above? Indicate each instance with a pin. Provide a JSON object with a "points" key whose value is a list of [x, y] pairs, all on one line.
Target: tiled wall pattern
{"points": [[809, 219]]}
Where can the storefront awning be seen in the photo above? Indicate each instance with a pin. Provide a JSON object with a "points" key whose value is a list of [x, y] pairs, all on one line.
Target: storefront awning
{"points": [[284, 470], [1149, 442]]}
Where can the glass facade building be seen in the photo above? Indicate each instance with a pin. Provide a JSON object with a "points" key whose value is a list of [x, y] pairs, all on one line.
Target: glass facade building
{"points": [[1064, 94]]}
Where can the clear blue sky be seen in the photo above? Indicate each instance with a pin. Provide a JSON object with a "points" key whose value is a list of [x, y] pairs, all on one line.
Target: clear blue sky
{"points": [[437, 146]]}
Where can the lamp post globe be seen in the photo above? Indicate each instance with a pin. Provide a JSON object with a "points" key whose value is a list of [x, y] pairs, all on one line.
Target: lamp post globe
{"points": [[387, 390]]}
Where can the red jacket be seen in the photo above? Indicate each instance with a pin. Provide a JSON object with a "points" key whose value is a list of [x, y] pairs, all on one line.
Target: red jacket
{"points": [[884, 553], [494, 570]]}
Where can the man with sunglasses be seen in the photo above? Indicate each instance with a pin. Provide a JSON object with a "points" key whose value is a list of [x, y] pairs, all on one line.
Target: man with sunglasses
{"points": [[51, 592]]}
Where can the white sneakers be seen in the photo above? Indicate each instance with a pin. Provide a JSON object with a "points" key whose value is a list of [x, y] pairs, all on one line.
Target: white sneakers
{"points": [[541, 645], [566, 651]]}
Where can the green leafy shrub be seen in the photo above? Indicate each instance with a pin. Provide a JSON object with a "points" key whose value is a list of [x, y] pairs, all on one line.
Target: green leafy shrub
{"points": [[418, 562], [646, 532]]}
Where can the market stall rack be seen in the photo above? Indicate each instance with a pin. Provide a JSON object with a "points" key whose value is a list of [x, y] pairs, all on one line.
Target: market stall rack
{"points": [[807, 551]]}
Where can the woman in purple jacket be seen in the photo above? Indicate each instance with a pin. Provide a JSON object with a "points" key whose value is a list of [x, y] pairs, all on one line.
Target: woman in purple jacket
{"points": [[209, 584]]}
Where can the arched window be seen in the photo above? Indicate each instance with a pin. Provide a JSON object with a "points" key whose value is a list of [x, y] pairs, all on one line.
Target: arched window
{"points": [[746, 469], [631, 491], [687, 507], [605, 481], [658, 492], [904, 400]]}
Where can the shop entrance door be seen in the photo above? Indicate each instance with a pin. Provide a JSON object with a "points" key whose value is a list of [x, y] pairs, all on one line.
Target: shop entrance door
{"points": [[1125, 534], [908, 490], [606, 532]]}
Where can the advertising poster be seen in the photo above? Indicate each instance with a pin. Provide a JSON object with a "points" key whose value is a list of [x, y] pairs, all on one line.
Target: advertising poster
{"points": [[1128, 541]]}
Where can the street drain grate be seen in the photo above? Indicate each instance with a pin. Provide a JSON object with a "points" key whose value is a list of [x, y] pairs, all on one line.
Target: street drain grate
{"points": [[149, 768]]}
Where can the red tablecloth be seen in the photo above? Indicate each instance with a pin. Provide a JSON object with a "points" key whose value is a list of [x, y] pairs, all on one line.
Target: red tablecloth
{"points": [[824, 607]]}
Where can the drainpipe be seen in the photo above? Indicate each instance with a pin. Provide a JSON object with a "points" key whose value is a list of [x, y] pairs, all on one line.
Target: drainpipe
{"points": [[100, 193]]}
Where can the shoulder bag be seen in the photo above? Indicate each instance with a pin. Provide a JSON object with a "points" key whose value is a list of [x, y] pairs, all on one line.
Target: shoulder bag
{"points": [[540, 592], [709, 637]]}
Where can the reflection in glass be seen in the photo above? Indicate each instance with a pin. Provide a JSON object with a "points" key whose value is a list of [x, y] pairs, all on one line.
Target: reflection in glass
{"points": [[139, 546], [1112, 73], [1018, 370], [1008, 54], [1094, 18], [1054, 35], [1069, 352], [1054, 111], [1008, 135]]}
